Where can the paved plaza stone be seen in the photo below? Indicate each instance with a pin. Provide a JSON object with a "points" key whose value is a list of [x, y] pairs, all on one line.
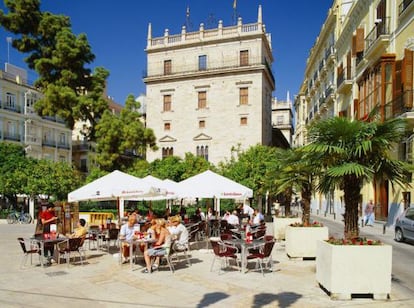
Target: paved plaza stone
{"points": [[103, 282]]}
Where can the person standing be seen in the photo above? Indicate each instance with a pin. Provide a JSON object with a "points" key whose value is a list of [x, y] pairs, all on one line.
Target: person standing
{"points": [[48, 217], [369, 213]]}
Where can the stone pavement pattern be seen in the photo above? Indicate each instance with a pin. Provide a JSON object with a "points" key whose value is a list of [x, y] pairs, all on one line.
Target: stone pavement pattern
{"points": [[102, 282]]}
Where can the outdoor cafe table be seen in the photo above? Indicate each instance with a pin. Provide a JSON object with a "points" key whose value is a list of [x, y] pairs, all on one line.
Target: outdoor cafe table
{"points": [[131, 243], [245, 246], [42, 241]]}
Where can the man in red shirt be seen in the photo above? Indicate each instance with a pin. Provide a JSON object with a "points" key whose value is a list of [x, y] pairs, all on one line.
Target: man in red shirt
{"points": [[48, 217]]}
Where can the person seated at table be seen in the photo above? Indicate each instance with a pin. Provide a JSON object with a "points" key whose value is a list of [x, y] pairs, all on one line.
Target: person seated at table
{"points": [[178, 232], [80, 231], [210, 214], [159, 247], [258, 217], [127, 234], [233, 219], [138, 215]]}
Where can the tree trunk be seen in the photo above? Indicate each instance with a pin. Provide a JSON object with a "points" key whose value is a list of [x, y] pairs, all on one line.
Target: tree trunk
{"points": [[352, 189], [306, 198], [286, 202]]}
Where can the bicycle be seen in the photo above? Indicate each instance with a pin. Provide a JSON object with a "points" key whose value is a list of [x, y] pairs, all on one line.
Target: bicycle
{"points": [[19, 217]]}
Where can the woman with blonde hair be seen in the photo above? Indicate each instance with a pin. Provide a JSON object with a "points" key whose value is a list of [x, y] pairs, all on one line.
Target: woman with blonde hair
{"points": [[159, 248]]}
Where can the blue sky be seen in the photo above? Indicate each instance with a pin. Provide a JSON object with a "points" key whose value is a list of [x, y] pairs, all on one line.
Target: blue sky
{"points": [[117, 33]]}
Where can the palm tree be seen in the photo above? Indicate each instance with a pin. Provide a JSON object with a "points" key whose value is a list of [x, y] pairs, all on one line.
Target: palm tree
{"points": [[297, 172], [352, 153]]}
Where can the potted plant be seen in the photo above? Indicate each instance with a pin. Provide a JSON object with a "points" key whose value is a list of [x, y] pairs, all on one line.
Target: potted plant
{"points": [[301, 239], [352, 153], [357, 266]]}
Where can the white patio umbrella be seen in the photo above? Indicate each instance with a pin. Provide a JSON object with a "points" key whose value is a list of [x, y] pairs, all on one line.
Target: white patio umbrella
{"points": [[209, 184], [116, 185]]}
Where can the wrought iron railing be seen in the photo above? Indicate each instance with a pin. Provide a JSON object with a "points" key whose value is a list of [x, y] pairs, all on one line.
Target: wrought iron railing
{"points": [[344, 74], [381, 28]]}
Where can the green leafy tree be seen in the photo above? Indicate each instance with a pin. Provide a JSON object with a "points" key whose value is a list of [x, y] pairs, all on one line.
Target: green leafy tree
{"points": [[352, 153], [14, 170], [254, 169], [59, 57], [120, 135], [54, 179], [170, 167], [193, 165]]}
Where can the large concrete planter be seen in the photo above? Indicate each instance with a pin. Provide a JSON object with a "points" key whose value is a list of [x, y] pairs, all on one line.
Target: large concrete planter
{"points": [[347, 270], [301, 241], [280, 224]]}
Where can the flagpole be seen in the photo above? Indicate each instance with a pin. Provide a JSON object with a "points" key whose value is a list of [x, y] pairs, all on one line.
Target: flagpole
{"points": [[234, 12]]}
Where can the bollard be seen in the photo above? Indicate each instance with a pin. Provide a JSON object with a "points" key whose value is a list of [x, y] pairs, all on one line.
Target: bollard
{"points": [[334, 215], [383, 229], [362, 222]]}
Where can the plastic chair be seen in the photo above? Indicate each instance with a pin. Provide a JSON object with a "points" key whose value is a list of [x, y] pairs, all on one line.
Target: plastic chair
{"points": [[263, 255], [34, 249], [223, 252]]}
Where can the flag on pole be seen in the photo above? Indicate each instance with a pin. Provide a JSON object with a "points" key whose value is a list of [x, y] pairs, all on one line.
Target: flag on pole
{"points": [[234, 4]]}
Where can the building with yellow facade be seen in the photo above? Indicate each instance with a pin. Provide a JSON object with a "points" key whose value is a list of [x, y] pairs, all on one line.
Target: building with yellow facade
{"points": [[372, 67]]}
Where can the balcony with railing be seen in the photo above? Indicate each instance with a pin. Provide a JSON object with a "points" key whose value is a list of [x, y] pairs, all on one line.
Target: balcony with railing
{"points": [[344, 79], [13, 107], [156, 71], [49, 143], [329, 54], [378, 38], [221, 32], [12, 136], [63, 145]]}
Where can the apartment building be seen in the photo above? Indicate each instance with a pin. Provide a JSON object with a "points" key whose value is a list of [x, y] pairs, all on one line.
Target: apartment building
{"points": [[42, 137], [372, 67], [210, 91]]}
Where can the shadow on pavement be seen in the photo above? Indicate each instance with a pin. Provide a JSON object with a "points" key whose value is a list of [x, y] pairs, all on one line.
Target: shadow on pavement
{"points": [[211, 298], [285, 299]]}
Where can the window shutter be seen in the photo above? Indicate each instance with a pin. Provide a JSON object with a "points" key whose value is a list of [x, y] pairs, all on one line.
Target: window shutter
{"points": [[408, 70], [398, 84], [348, 66], [407, 73], [360, 42], [354, 38], [356, 109]]}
